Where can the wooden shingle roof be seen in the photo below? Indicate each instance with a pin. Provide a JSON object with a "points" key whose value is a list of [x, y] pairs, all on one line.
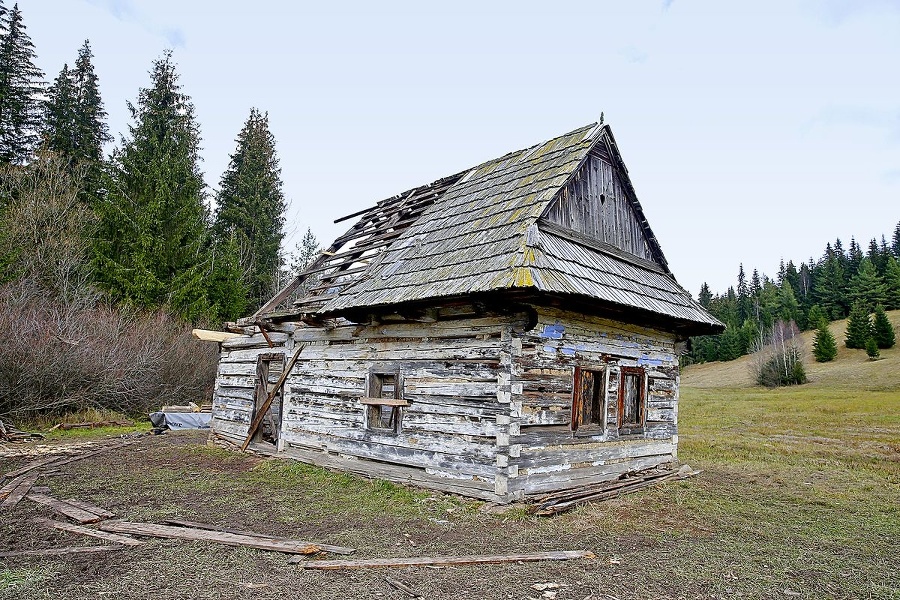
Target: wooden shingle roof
{"points": [[481, 231]]}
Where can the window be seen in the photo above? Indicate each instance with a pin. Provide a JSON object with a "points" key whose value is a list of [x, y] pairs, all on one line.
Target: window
{"points": [[632, 400], [588, 401], [384, 402]]}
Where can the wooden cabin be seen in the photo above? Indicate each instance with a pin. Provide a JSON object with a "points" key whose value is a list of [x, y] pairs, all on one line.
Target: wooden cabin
{"points": [[506, 331]]}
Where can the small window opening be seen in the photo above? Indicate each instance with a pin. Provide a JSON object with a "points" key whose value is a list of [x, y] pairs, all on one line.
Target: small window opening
{"points": [[632, 401], [384, 403], [588, 401]]}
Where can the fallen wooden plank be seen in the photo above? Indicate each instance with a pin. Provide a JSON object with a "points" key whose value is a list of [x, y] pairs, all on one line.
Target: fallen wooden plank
{"points": [[206, 526], [103, 535], [403, 587], [61, 551], [65, 509], [19, 492], [12, 484], [92, 425], [91, 508], [418, 561], [201, 535], [32, 465], [66, 461]]}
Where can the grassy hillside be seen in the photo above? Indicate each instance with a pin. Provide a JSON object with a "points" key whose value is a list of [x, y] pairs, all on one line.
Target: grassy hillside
{"points": [[851, 369]]}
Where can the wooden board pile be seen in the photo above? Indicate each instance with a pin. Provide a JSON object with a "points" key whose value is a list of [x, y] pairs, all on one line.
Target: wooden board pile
{"points": [[8, 433], [558, 502]]}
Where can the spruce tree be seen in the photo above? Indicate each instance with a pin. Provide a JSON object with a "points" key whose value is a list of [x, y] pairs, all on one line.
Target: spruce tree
{"points": [[152, 246], [872, 349], [829, 284], [816, 315], [824, 345], [859, 327], [866, 286], [892, 283], [60, 123], [74, 122], [21, 83], [251, 205], [705, 295], [895, 242], [882, 330]]}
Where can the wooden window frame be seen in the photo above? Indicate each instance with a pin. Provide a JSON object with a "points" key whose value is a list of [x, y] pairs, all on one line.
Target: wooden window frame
{"points": [[374, 404], [638, 426], [597, 423]]}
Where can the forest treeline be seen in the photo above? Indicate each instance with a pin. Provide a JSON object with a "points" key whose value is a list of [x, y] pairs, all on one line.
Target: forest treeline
{"points": [[841, 283], [108, 258]]}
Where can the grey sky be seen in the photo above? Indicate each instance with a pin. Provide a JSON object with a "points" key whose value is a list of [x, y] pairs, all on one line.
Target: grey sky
{"points": [[752, 131]]}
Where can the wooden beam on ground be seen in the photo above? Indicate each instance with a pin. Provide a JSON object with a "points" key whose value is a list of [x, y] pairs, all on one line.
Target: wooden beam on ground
{"points": [[205, 335], [103, 535], [64, 508], [421, 561], [206, 526], [19, 492], [91, 508], [66, 461], [32, 465], [61, 551], [218, 537], [261, 413]]}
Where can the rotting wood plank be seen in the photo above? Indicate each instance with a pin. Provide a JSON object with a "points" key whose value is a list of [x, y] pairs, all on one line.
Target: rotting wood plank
{"points": [[103, 535], [418, 561], [208, 527], [21, 489], [32, 465], [61, 551], [92, 508], [65, 509], [218, 537], [66, 461]]}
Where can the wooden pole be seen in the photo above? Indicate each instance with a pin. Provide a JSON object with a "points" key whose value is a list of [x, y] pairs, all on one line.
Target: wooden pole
{"points": [[260, 415]]}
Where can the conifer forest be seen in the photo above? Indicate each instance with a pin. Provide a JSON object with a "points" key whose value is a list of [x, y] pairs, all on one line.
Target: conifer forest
{"points": [[109, 248]]}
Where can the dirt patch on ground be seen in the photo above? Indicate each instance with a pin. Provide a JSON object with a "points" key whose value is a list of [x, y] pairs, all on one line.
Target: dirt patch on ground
{"points": [[691, 539]]}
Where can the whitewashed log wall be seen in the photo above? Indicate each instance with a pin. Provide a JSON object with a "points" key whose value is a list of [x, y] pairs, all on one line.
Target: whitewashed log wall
{"points": [[489, 408], [546, 455]]}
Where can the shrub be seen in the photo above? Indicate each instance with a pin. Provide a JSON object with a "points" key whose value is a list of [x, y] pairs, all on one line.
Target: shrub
{"points": [[779, 356], [59, 357]]}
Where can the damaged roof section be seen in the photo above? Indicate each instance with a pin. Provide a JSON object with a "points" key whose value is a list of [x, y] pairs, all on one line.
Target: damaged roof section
{"points": [[492, 228]]}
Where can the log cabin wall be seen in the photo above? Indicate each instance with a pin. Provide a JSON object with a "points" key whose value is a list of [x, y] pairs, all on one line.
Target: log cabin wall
{"points": [[546, 454], [596, 203], [453, 373], [236, 382]]}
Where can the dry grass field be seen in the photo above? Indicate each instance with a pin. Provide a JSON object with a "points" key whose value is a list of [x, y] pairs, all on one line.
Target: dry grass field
{"points": [[799, 498]]}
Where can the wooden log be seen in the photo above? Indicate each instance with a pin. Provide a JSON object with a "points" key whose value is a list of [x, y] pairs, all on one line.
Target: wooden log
{"points": [[91, 508], [61, 551], [206, 526], [419, 561], [65, 509], [19, 492], [200, 535], [103, 535]]}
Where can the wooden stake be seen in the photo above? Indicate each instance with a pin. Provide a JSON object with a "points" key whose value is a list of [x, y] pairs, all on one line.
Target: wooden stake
{"points": [[260, 415], [419, 561]]}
